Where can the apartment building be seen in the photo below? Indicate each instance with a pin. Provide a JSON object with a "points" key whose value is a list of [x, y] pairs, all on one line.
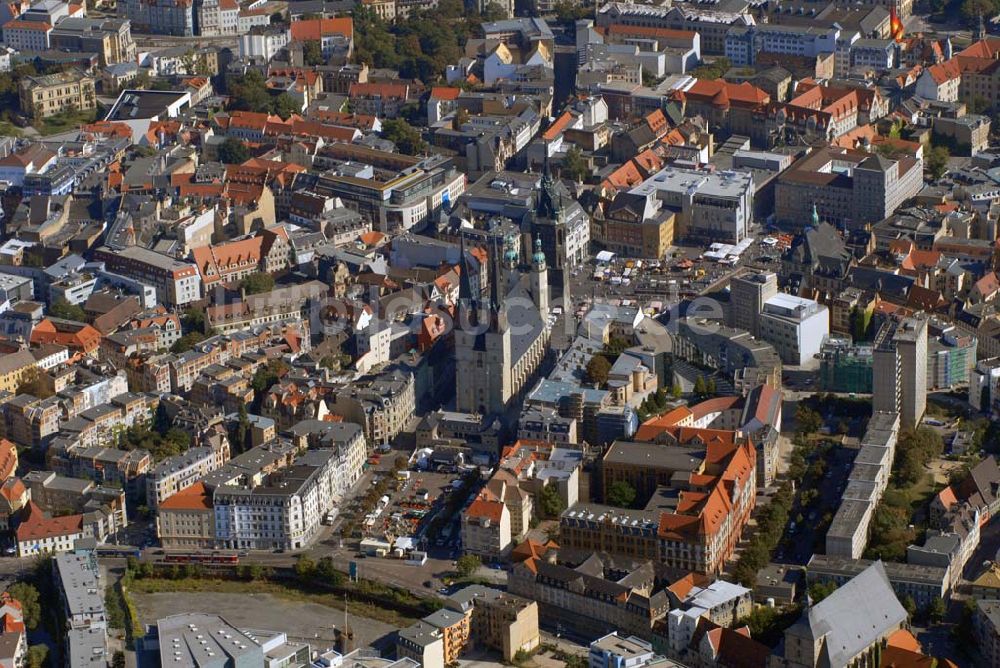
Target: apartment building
{"points": [[283, 512], [899, 380], [593, 596], [422, 643], [37, 534], [700, 531], [231, 261], [80, 590], [55, 493], [161, 17], [25, 35], [186, 520], [743, 43], [177, 473], [13, 367], [110, 39], [720, 602], [382, 404], [486, 527], [500, 621], [177, 283], [868, 479], [49, 94]]}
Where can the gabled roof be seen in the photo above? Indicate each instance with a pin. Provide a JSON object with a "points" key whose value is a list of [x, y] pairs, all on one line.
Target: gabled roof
{"points": [[314, 29], [195, 497], [854, 617], [38, 527]]}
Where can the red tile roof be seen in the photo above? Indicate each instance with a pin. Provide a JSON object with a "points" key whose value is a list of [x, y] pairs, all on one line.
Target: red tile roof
{"points": [[195, 497], [38, 527], [315, 29]]}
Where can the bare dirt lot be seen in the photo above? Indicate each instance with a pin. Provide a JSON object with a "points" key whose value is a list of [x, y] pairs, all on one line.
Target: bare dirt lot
{"points": [[301, 620]]}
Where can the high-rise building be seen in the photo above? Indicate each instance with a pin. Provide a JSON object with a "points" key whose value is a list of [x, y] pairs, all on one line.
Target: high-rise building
{"points": [[899, 381], [747, 295]]}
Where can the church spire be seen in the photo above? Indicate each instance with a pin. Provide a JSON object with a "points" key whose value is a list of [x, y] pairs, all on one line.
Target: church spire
{"points": [[464, 277]]}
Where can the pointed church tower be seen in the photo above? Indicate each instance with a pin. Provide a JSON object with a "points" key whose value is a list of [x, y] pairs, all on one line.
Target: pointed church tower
{"points": [[483, 383], [539, 280]]}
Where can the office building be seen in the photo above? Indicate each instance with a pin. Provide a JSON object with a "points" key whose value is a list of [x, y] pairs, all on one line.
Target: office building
{"points": [[847, 187], [899, 381], [716, 206], [177, 283], [747, 296], [795, 326], [49, 94]]}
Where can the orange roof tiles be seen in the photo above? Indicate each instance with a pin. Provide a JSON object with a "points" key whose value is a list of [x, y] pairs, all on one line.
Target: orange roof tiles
{"points": [[743, 94], [315, 29], [195, 497], [645, 31], [8, 458], [383, 90], [37, 527], [558, 125], [445, 93], [79, 337], [16, 24]]}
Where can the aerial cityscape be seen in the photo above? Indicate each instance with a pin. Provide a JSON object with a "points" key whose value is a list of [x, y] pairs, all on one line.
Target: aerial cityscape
{"points": [[485, 333]]}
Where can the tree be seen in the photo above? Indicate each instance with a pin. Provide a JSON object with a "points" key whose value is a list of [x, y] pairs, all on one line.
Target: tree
{"points": [[937, 161], [467, 564], [187, 342], [38, 656], [710, 387], [575, 165], [33, 383], [326, 571], [312, 53], [807, 421], [700, 387], [620, 494], [401, 463], [597, 370], [550, 502], [257, 283], [27, 595], [118, 660], [305, 568], [821, 589], [248, 92], [61, 308], [935, 610], [676, 391], [972, 9], [406, 137], [194, 317], [233, 152], [285, 105], [909, 605]]}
